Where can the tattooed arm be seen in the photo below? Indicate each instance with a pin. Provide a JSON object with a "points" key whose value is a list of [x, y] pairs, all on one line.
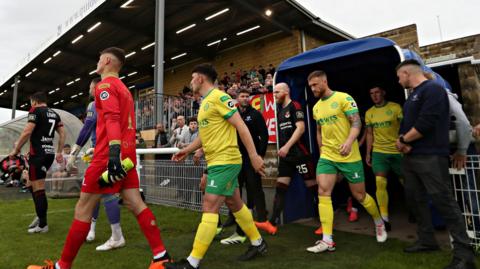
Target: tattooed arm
{"points": [[355, 127]]}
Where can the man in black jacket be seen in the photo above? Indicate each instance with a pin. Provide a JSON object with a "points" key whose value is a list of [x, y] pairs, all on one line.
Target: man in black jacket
{"points": [[247, 177], [161, 140], [424, 141]]}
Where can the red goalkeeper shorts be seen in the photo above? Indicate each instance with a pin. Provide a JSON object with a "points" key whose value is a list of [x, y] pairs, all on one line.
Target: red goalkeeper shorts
{"points": [[95, 170]]}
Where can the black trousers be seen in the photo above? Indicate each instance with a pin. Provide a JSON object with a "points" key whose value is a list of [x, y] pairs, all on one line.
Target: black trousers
{"points": [[253, 184], [427, 178]]}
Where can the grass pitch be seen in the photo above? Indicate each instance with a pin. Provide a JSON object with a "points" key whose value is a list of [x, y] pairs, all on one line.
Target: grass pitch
{"points": [[286, 250]]}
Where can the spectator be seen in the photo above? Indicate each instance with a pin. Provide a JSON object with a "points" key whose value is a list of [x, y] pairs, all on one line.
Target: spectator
{"points": [[178, 133], [262, 71], [271, 69], [269, 82], [161, 141], [58, 169], [140, 142], [191, 134], [232, 91]]}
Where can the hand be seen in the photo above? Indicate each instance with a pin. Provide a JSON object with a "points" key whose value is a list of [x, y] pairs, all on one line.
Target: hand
{"points": [[399, 145], [283, 151], [345, 148], [180, 156], [476, 130], [115, 169], [59, 157], [13, 154], [459, 161], [197, 156], [203, 183], [406, 149], [258, 164], [368, 160], [71, 162]]}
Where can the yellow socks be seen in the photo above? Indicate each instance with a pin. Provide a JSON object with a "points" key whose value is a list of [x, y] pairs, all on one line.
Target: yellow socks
{"points": [[325, 210], [372, 209], [382, 196], [245, 221], [205, 233]]}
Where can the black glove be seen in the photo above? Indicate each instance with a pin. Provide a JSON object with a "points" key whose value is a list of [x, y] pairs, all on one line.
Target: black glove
{"points": [[115, 169]]}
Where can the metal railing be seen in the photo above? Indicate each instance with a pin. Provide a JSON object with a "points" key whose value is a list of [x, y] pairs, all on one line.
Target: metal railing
{"points": [[169, 183], [173, 106], [467, 193]]}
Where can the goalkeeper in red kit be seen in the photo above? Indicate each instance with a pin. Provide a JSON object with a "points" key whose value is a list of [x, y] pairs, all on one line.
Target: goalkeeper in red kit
{"points": [[115, 142]]}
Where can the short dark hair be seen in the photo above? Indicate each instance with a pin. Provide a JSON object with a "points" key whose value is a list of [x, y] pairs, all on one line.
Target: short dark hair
{"points": [[192, 119], [243, 90], [67, 146], [96, 80], [316, 74], [39, 97], [207, 70], [117, 52], [408, 62]]}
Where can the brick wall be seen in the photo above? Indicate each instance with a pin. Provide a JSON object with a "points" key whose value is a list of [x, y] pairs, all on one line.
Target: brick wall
{"points": [[461, 47], [271, 50], [406, 37]]}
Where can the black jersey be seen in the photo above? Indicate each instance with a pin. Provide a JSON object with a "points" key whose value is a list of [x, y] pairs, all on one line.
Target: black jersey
{"points": [[287, 117], [46, 122]]}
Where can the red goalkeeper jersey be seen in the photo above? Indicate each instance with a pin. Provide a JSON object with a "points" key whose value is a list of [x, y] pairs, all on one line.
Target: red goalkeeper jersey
{"points": [[116, 118]]}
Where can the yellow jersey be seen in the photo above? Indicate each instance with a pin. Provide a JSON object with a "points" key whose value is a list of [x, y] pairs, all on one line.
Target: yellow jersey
{"points": [[331, 113], [218, 136], [385, 122]]}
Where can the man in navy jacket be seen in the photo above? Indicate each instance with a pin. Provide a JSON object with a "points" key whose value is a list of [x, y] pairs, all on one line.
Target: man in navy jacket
{"points": [[425, 143]]}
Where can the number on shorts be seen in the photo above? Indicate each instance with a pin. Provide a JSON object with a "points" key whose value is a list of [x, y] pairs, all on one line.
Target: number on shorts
{"points": [[302, 169]]}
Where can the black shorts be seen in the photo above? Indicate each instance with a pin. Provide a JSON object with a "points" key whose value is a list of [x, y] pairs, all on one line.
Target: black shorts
{"points": [[39, 165], [302, 164]]}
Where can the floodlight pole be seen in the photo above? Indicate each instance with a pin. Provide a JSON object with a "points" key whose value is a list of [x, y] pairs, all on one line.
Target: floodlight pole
{"points": [[15, 93], [159, 58]]}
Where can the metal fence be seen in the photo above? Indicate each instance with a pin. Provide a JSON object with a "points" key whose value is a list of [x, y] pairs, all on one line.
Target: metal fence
{"points": [[173, 184], [173, 106], [467, 193]]}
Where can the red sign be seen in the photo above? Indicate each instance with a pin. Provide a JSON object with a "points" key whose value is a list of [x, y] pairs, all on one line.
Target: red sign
{"points": [[265, 104]]}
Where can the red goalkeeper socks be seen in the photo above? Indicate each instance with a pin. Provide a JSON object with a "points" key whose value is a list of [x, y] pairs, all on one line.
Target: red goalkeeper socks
{"points": [[75, 238], [148, 224]]}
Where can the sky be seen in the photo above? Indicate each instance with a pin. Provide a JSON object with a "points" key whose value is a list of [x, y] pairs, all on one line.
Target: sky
{"points": [[25, 29]]}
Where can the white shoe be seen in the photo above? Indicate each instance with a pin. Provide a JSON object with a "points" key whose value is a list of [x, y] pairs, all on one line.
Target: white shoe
{"points": [[233, 239], [112, 244], [37, 229], [34, 223], [91, 235], [321, 246], [381, 233]]}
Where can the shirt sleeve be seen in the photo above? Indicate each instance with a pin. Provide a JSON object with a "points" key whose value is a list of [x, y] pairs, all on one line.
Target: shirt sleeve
{"points": [[462, 125], [225, 106], [349, 106], [368, 122], [88, 127], [33, 116], [261, 128], [297, 112], [399, 113], [108, 98]]}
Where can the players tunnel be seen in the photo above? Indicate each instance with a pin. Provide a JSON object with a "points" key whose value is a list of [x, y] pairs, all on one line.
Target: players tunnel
{"points": [[354, 67]]}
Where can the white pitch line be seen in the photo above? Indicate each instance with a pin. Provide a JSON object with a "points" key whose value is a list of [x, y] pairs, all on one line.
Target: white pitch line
{"points": [[49, 212]]}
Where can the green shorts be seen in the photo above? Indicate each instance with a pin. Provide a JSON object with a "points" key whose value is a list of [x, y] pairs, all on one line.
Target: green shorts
{"points": [[384, 162], [353, 171], [223, 179]]}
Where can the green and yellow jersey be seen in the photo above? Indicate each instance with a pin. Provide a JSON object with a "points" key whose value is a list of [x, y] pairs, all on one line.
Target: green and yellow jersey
{"points": [[385, 122], [218, 136], [331, 113]]}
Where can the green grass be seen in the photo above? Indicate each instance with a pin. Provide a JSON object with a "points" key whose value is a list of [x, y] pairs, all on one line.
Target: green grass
{"points": [[286, 250]]}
